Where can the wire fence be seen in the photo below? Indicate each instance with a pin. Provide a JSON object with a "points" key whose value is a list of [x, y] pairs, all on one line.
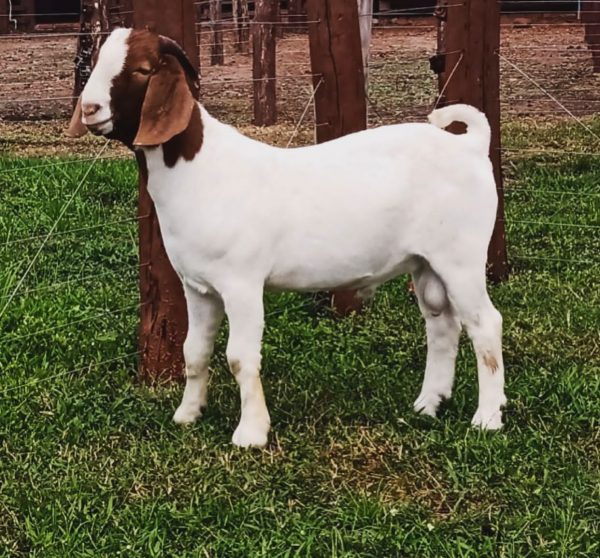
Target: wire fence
{"points": [[63, 279]]}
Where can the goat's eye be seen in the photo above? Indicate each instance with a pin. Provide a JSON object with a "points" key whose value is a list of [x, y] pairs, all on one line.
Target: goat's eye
{"points": [[143, 71]]}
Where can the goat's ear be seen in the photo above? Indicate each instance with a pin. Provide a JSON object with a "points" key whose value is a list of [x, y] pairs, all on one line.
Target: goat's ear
{"points": [[168, 105], [76, 127]]}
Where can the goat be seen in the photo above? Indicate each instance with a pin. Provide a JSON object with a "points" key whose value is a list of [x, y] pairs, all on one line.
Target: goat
{"points": [[238, 216]]}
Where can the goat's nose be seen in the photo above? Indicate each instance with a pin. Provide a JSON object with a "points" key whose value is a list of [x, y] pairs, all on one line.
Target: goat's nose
{"points": [[89, 109]]}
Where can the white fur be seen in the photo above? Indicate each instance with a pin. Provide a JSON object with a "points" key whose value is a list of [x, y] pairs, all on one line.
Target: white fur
{"points": [[478, 129], [243, 216], [354, 212], [110, 63]]}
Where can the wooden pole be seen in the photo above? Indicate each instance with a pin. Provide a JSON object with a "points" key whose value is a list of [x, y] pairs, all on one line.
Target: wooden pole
{"points": [[163, 314], [590, 17], [241, 18], [217, 57], [469, 66], [340, 102], [264, 62], [336, 64]]}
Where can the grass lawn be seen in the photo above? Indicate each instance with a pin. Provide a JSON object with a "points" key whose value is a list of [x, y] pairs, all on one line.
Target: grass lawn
{"points": [[91, 464]]}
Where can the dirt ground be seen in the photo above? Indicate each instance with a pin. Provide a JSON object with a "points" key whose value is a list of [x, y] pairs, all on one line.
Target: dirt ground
{"points": [[37, 78]]}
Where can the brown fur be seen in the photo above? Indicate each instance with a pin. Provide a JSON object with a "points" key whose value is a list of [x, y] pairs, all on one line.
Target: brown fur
{"points": [[491, 362], [187, 143], [76, 128], [167, 107], [153, 99]]}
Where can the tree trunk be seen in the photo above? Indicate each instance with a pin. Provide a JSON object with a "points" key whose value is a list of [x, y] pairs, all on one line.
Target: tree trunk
{"points": [[94, 22], [263, 66], [216, 47]]}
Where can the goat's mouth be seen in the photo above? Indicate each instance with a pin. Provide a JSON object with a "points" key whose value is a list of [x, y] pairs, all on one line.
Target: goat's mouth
{"points": [[100, 128]]}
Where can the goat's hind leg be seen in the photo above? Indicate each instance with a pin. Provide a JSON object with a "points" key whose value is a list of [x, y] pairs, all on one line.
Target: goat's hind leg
{"points": [[470, 301], [443, 331], [205, 314]]}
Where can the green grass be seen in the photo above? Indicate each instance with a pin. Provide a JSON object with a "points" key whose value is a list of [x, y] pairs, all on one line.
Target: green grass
{"points": [[91, 464]]}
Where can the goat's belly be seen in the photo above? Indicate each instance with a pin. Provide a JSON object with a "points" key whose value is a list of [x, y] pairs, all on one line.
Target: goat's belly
{"points": [[310, 276]]}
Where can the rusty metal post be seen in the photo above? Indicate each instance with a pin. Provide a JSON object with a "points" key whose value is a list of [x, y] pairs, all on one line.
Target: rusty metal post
{"points": [[340, 101], [163, 314], [264, 62], [469, 72]]}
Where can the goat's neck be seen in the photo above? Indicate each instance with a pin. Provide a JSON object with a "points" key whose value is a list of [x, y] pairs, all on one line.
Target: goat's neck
{"points": [[183, 146]]}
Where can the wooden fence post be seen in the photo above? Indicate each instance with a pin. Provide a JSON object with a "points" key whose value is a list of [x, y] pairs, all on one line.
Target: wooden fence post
{"points": [[241, 18], [264, 63], [244, 29], [217, 57], [338, 78], [468, 47], [163, 314]]}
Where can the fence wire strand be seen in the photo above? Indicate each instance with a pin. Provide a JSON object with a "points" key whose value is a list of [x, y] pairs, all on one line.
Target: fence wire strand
{"points": [[53, 228]]}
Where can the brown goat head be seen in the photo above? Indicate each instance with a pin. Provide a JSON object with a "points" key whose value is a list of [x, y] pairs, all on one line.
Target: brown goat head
{"points": [[141, 91]]}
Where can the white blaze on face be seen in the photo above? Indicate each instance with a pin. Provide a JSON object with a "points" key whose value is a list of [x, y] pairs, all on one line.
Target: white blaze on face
{"points": [[110, 63]]}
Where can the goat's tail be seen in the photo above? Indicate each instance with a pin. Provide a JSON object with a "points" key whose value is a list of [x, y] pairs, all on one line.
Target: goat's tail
{"points": [[478, 129]]}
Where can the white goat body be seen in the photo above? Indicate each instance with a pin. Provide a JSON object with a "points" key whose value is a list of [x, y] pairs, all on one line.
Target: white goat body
{"points": [[352, 212], [238, 216]]}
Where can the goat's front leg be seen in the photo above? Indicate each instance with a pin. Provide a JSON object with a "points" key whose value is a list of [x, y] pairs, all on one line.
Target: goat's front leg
{"points": [[205, 314], [244, 309]]}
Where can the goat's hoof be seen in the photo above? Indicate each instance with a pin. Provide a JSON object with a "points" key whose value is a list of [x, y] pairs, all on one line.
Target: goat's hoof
{"points": [[250, 435], [488, 420], [185, 415], [427, 403]]}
